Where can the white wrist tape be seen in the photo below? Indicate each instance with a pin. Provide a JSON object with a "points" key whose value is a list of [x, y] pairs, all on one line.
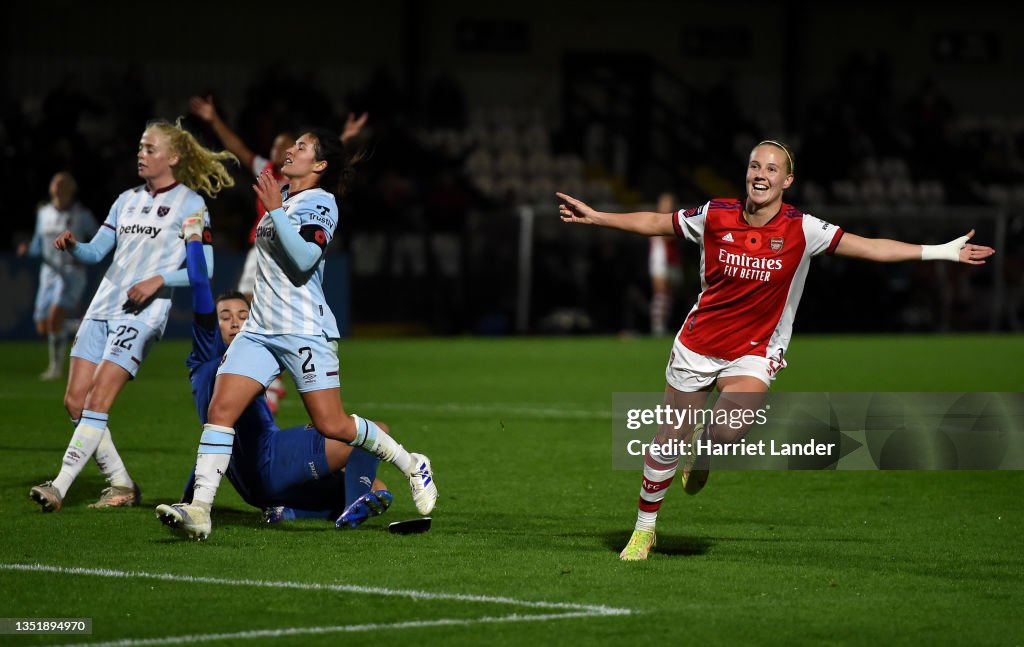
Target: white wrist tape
{"points": [[947, 252]]}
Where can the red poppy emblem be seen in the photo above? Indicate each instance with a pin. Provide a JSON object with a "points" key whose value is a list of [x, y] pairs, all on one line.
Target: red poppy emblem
{"points": [[753, 241], [321, 238]]}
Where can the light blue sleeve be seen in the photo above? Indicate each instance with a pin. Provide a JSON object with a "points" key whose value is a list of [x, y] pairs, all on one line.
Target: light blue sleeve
{"points": [[179, 278], [303, 253], [93, 251]]}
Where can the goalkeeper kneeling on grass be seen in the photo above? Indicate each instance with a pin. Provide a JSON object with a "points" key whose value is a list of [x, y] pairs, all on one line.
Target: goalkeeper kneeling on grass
{"points": [[289, 473]]}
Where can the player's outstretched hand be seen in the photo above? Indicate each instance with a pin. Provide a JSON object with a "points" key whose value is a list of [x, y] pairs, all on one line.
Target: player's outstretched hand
{"points": [[353, 125], [203, 108], [573, 210], [974, 254], [65, 242], [267, 191]]}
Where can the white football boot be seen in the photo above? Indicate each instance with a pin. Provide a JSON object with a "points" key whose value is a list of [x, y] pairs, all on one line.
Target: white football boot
{"points": [[421, 483], [186, 518]]}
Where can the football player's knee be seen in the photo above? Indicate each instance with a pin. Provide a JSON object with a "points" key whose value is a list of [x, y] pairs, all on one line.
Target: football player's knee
{"points": [[343, 429], [221, 413], [73, 404], [100, 397]]}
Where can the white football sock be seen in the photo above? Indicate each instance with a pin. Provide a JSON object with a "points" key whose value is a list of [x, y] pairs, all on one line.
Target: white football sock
{"points": [[110, 462], [371, 437], [83, 443], [212, 462], [387, 449]]}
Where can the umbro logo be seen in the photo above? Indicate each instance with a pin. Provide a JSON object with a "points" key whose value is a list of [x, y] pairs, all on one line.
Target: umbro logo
{"points": [[728, 237]]}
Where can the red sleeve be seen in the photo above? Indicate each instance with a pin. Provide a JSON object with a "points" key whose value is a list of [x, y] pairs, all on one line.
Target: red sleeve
{"points": [[835, 241], [675, 224]]}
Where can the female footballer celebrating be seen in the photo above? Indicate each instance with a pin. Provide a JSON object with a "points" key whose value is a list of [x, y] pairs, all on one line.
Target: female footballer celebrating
{"points": [[755, 254]]}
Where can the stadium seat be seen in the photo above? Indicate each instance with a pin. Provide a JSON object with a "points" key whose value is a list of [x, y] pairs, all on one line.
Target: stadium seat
{"points": [[480, 162], [539, 164], [931, 192], [540, 190], [893, 168], [997, 194], [900, 192], [844, 191], [1017, 196], [509, 162], [872, 193]]}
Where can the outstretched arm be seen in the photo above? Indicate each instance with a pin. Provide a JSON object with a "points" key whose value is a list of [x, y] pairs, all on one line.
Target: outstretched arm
{"points": [[883, 250], [203, 108], [91, 252], [180, 277], [103, 239], [204, 323], [196, 268], [353, 125], [647, 223]]}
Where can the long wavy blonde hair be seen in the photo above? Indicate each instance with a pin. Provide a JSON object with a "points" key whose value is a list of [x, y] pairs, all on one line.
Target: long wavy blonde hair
{"points": [[198, 168]]}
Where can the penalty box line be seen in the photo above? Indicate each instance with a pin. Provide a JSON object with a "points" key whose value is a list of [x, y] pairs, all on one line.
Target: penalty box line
{"points": [[522, 409], [316, 586], [300, 631], [568, 609], [571, 610]]}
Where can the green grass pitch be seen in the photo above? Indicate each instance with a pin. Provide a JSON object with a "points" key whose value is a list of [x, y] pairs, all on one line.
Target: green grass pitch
{"points": [[531, 515]]}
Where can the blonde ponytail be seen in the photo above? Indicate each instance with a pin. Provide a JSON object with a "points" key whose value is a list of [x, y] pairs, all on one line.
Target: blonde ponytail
{"points": [[198, 168]]}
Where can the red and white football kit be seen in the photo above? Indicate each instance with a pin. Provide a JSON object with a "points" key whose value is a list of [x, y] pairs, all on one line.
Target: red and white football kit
{"points": [[751, 282]]}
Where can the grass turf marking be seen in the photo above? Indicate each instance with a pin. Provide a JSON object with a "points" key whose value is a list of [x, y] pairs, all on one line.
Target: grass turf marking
{"points": [[526, 409], [571, 610], [299, 631]]}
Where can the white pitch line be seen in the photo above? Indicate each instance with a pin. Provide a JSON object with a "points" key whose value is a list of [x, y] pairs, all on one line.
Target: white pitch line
{"points": [[538, 411], [299, 631], [316, 586]]}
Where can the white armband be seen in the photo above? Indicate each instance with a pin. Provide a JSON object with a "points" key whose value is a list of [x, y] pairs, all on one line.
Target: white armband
{"points": [[947, 252]]}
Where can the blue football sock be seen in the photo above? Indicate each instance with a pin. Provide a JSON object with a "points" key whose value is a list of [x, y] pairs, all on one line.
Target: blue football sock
{"points": [[299, 513], [360, 472]]}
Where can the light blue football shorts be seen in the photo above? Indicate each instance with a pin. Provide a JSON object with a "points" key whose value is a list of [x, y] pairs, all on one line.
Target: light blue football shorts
{"points": [[125, 342], [56, 289], [312, 360]]}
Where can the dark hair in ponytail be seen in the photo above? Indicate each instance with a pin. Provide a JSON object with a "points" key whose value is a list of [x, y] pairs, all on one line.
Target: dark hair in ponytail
{"points": [[337, 177]]}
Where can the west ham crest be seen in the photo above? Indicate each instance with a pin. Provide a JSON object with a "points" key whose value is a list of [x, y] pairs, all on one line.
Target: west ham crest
{"points": [[162, 211]]}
